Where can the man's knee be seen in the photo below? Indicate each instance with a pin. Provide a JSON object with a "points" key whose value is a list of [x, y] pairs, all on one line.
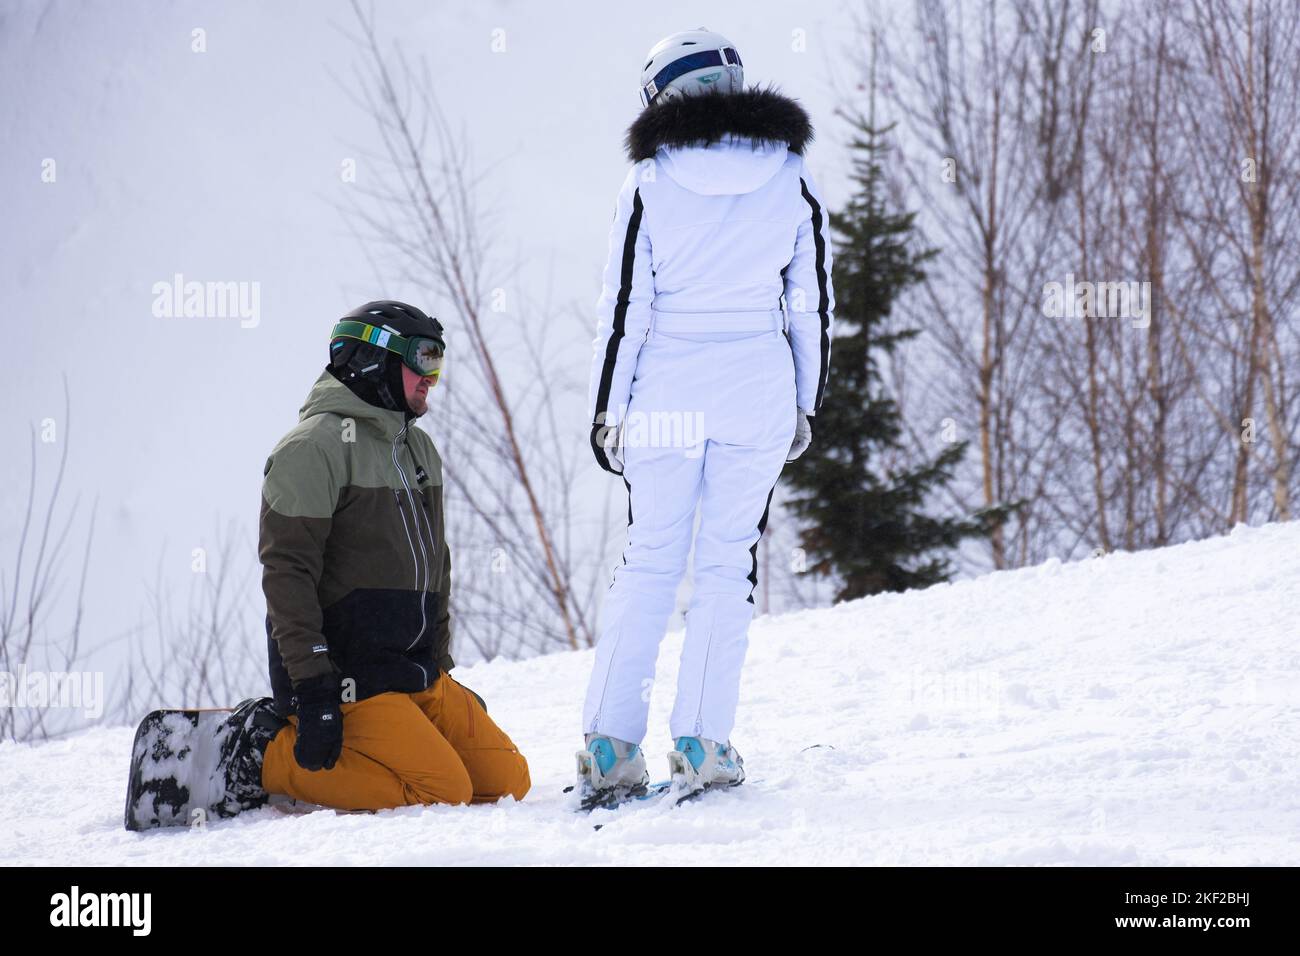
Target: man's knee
{"points": [[451, 785], [500, 773], [522, 781]]}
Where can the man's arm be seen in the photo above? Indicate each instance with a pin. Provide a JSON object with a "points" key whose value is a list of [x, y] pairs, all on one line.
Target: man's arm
{"points": [[299, 493], [810, 298]]}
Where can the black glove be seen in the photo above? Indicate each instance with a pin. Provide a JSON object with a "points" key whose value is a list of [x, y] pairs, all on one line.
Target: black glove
{"points": [[604, 443], [320, 722]]}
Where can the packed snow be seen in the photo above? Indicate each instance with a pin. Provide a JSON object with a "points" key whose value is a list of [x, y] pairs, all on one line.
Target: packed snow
{"points": [[1128, 709]]}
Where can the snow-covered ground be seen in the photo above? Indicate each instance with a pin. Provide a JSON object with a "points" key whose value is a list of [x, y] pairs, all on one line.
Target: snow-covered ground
{"points": [[1131, 709]]}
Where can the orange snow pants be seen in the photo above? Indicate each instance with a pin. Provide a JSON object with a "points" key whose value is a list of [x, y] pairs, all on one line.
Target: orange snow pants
{"points": [[437, 746]]}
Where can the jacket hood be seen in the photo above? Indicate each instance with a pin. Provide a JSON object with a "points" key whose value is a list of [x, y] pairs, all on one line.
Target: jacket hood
{"points": [[330, 396], [762, 116], [731, 167]]}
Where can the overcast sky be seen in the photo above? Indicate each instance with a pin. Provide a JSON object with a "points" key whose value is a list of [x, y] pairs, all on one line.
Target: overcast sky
{"points": [[225, 165]]}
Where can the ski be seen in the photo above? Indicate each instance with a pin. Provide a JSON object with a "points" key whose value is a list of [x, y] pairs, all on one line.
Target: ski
{"points": [[656, 793], [614, 798]]}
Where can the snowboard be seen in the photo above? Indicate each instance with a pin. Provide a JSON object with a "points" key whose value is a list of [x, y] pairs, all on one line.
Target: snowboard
{"points": [[178, 762]]}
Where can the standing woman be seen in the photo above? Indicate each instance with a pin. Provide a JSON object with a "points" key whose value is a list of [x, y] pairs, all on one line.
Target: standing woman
{"points": [[702, 387]]}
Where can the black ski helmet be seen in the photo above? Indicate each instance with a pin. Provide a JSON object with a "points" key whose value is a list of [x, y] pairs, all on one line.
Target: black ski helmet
{"points": [[373, 373]]}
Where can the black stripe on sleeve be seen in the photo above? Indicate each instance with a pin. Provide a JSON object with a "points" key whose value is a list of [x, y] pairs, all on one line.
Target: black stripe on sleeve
{"points": [[823, 297], [620, 309]]}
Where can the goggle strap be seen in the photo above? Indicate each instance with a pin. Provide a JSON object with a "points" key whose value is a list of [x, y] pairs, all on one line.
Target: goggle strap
{"points": [[382, 338], [724, 56], [371, 334]]}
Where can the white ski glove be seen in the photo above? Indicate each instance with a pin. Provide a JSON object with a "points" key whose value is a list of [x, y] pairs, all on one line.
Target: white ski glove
{"points": [[607, 448], [802, 435]]}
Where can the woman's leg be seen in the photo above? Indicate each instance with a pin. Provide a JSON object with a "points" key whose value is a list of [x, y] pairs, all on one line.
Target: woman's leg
{"points": [[663, 488], [738, 484], [749, 438]]}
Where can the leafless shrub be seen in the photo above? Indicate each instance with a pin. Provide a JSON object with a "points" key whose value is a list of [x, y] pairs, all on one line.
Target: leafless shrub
{"points": [[518, 581], [39, 632]]}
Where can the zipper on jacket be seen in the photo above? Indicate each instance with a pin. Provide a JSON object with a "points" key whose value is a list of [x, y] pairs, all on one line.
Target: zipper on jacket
{"points": [[397, 498], [424, 528], [415, 562], [428, 520], [420, 531], [424, 588]]}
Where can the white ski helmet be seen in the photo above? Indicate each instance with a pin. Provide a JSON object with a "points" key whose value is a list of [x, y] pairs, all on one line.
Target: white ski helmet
{"points": [[693, 61]]}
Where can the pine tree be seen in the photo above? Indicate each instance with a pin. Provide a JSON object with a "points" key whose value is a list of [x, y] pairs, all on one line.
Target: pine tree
{"points": [[864, 516]]}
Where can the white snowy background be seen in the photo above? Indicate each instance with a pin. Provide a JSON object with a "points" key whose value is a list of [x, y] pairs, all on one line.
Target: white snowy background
{"points": [[227, 165], [1131, 709], [1127, 710]]}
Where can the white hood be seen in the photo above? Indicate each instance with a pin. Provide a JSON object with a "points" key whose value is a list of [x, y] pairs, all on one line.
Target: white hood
{"points": [[731, 167]]}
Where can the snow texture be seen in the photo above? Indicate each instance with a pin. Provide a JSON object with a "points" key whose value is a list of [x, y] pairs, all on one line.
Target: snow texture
{"points": [[1128, 709]]}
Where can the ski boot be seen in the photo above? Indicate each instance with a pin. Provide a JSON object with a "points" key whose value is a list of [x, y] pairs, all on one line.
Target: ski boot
{"points": [[699, 764], [610, 772]]}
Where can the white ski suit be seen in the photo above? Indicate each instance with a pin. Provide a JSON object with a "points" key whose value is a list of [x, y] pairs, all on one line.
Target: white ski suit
{"points": [[703, 373]]}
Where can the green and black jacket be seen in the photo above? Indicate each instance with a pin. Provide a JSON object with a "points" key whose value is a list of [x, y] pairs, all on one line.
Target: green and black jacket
{"points": [[354, 556]]}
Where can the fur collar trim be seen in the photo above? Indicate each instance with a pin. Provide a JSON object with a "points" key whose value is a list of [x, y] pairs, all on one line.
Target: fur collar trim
{"points": [[762, 115]]}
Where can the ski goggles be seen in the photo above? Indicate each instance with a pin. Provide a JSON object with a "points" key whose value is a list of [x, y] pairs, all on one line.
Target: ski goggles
{"points": [[420, 353], [725, 56]]}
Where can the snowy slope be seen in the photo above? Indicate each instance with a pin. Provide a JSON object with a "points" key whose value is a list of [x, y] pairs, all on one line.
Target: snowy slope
{"points": [[1132, 709]]}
